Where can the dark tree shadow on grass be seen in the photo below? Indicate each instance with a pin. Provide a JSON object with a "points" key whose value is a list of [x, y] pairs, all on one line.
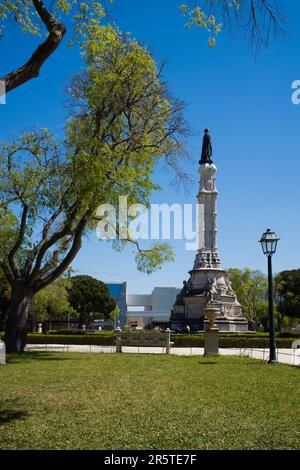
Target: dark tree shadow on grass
{"points": [[256, 362], [208, 363], [35, 356], [9, 411]]}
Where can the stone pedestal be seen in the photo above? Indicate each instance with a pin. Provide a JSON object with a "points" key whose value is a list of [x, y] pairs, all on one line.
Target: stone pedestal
{"points": [[211, 336], [211, 343]]}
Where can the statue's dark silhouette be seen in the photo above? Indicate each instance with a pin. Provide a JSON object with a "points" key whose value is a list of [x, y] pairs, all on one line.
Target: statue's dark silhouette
{"points": [[206, 149]]}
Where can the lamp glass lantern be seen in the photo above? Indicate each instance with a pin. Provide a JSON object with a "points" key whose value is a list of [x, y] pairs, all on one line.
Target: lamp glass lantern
{"points": [[269, 242]]}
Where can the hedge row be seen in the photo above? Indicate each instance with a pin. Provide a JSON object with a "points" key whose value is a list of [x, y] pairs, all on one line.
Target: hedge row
{"points": [[75, 332], [188, 341], [179, 340], [95, 340]]}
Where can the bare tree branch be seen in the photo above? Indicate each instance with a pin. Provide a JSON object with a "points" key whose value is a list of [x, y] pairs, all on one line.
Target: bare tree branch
{"points": [[32, 67]]}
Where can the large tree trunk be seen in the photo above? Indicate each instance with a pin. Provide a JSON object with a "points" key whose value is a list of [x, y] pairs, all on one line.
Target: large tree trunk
{"points": [[16, 328]]}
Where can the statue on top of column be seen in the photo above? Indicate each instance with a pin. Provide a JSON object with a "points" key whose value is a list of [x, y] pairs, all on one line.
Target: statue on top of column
{"points": [[206, 149]]}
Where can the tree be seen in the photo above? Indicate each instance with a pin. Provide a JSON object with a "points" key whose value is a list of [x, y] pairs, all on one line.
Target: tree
{"points": [[287, 285], [251, 288], [122, 121], [114, 315], [51, 302], [257, 18], [90, 298]]}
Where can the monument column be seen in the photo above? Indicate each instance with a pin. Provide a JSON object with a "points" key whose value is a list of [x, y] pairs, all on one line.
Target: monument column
{"points": [[208, 287], [207, 256]]}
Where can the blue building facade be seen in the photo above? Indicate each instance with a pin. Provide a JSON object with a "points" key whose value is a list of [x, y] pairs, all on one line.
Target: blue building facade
{"points": [[119, 291]]}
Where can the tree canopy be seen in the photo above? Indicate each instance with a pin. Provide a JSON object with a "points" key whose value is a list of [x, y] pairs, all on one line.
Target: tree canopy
{"points": [[287, 284], [251, 288], [51, 302], [90, 298]]}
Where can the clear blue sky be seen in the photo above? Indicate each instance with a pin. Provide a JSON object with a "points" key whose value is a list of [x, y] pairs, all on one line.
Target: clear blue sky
{"points": [[245, 102]]}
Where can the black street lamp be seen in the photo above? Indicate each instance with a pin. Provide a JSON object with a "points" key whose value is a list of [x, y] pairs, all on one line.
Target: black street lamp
{"points": [[269, 242]]}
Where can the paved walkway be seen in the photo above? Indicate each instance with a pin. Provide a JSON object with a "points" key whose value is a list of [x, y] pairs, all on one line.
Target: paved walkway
{"points": [[285, 356]]}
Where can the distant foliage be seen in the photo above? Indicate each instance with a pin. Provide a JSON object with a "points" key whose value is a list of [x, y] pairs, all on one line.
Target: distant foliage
{"points": [[90, 298], [51, 302], [287, 285], [251, 288]]}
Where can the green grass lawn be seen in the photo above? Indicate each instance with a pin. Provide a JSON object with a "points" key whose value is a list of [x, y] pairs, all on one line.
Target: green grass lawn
{"points": [[110, 401]]}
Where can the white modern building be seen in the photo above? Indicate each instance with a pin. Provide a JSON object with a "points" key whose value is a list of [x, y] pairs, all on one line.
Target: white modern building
{"points": [[151, 310]]}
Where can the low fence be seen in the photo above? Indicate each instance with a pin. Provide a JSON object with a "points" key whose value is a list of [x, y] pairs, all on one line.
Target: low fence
{"points": [[290, 356]]}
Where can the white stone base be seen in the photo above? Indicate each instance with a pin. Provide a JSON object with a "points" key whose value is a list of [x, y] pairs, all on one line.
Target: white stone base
{"points": [[233, 325]]}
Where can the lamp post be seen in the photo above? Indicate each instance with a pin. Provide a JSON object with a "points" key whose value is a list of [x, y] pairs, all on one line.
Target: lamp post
{"points": [[269, 242]]}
